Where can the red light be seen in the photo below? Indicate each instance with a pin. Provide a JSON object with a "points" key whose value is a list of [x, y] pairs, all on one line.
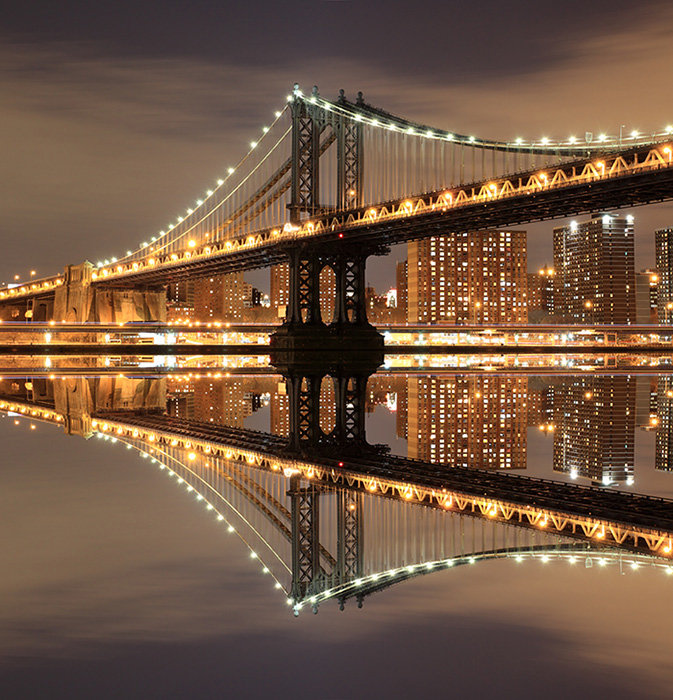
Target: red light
{"points": [[341, 235], [341, 464]]}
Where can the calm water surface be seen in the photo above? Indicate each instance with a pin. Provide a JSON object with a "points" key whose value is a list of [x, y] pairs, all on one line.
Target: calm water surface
{"points": [[170, 531]]}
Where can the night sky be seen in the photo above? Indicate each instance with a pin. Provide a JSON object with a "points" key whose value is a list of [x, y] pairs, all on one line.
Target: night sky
{"points": [[115, 116]]}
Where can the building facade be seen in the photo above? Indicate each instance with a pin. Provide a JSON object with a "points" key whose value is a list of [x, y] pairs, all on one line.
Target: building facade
{"points": [[476, 277], [594, 434], [594, 270], [663, 241]]}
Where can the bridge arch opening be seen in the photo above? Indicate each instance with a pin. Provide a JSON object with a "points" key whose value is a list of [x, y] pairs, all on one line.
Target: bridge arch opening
{"points": [[327, 405], [327, 292]]}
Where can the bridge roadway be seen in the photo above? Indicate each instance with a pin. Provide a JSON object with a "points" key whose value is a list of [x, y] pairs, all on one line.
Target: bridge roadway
{"points": [[605, 505]]}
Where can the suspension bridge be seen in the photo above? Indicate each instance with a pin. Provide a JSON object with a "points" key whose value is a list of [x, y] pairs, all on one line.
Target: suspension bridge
{"points": [[330, 527], [331, 182]]}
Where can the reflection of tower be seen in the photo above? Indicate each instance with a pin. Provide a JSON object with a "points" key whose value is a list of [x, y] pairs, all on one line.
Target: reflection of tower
{"points": [[595, 429], [311, 562], [468, 421], [663, 458]]}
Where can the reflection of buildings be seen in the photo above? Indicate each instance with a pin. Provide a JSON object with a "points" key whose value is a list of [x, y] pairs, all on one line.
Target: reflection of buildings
{"points": [[476, 277], [595, 428], [214, 400], [540, 408], [280, 407], [594, 266], [663, 240], [468, 421], [663, 458]]}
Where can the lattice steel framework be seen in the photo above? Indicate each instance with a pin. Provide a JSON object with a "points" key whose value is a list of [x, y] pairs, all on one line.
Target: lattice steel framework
{"points": [[350, 306], [305, 536], [305, 183], [350, 156], [350, 535]]}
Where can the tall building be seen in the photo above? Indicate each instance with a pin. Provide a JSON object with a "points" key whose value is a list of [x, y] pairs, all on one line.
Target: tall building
{"points": [[221, 297], [476, 277], [594, 266], [647, 294], [663, 456], [663, 240], [541, 291], [475, 422], [594, 434], [180, 301], [279, 293], [402, 283]]}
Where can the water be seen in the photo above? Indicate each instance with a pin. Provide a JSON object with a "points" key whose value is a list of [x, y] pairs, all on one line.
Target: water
{"points": [[182, 548]]}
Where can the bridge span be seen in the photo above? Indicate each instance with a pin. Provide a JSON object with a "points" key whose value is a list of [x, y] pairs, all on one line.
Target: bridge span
{"points": [[303, 196]]}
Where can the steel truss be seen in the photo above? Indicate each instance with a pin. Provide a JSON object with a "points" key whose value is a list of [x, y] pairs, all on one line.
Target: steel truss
{"points": [[305, 536]]}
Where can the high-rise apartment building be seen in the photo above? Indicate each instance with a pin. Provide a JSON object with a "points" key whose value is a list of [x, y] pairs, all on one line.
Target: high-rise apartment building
{"points": [[594, 270], [647, 296], [402, 283], [663, 241], [180, 301], [221, 297], [594, 434], [476, 277], [541, 291], [663, 456]]}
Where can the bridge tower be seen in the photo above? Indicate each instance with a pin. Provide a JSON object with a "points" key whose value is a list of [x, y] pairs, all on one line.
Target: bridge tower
{"points": [[314, 129]]}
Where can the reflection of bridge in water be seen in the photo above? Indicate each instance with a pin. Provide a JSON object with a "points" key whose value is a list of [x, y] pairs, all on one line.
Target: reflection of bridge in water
{"points": [[326, 525]]}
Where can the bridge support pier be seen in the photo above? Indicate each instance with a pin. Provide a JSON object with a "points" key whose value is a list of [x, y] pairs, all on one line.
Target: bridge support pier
{"points": [[304, 332], [306, 435]]}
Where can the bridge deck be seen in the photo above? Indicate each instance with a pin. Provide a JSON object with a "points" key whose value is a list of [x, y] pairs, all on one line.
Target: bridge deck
{"points": [[574, 499]]}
